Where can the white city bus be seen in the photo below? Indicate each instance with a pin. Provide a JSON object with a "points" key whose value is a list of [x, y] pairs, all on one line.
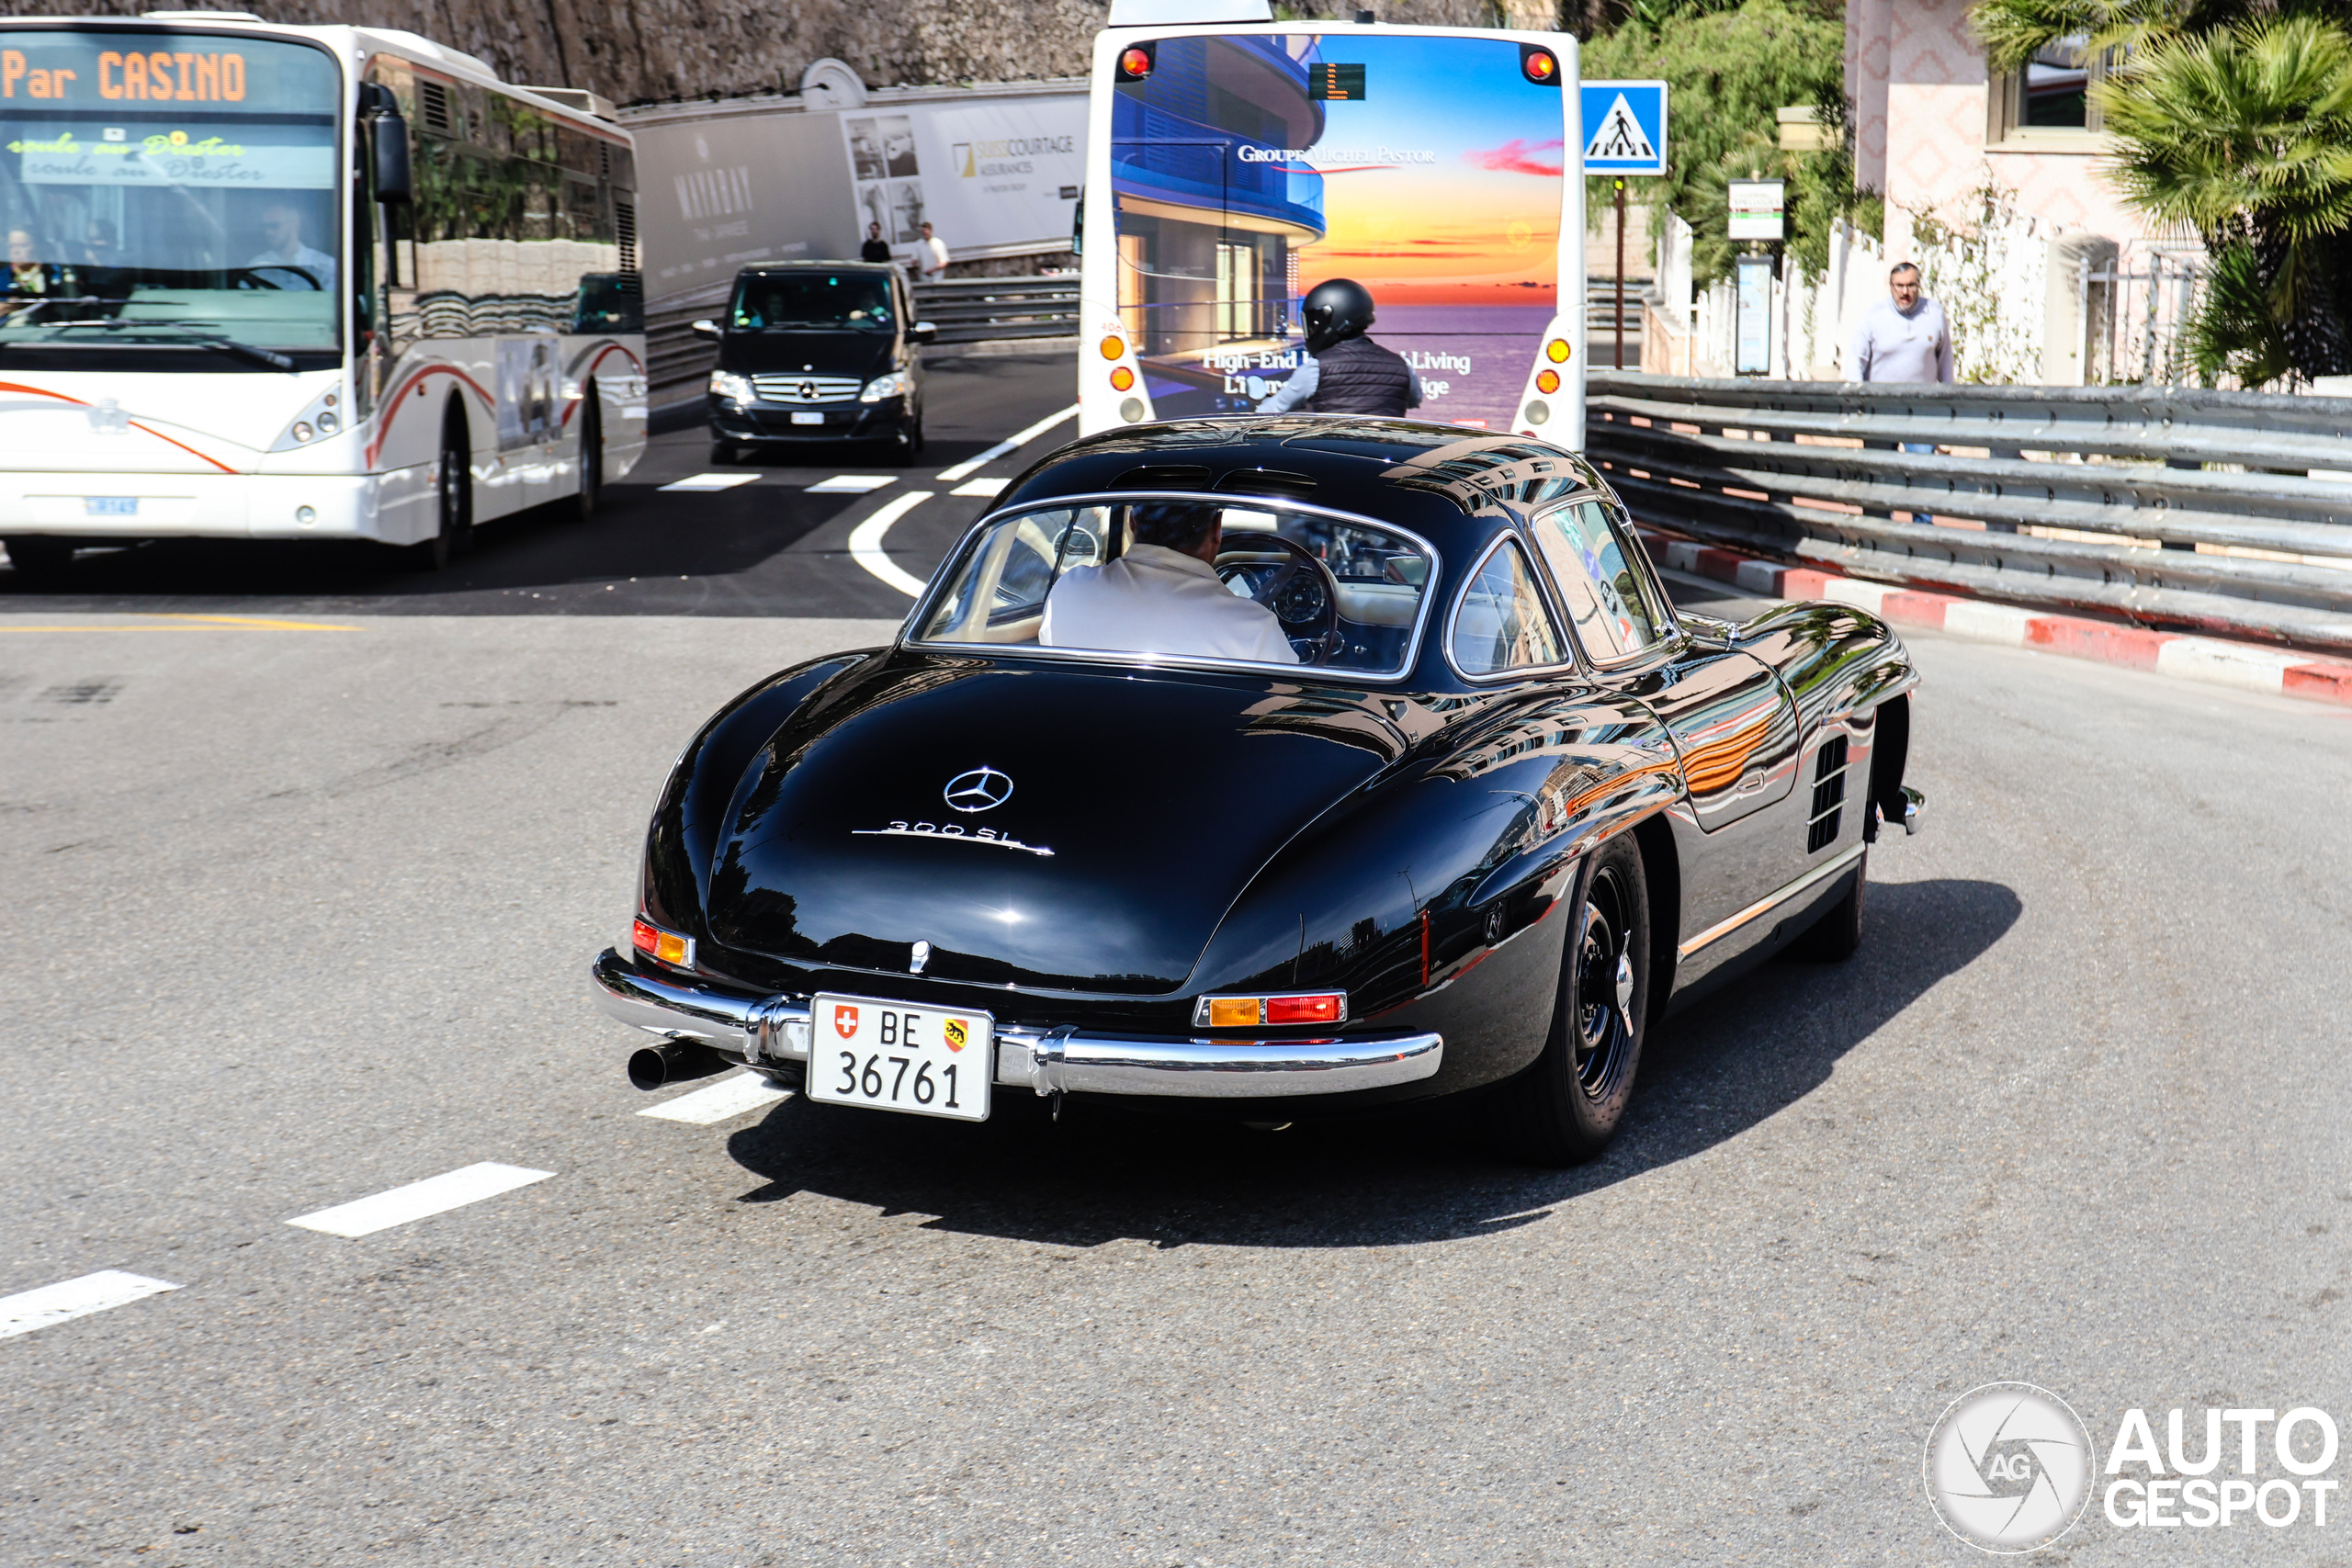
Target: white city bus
{"points": [[1234, 164], [302, 283]]}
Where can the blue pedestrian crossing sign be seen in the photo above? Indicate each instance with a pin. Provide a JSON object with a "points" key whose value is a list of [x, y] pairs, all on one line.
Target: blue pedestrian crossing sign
{"points": [[1624, 128]]}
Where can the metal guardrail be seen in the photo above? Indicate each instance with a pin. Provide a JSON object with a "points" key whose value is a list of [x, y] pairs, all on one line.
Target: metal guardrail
{"points": [[1812, 471], [964, 310], [994, 310]]}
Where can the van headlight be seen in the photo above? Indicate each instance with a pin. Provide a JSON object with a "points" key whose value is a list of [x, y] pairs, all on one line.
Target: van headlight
{"points": [[897, 384], [729, 387]]}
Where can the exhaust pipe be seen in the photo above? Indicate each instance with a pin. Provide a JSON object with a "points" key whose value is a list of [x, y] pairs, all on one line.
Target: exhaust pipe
{"points": [[672, 1061]]}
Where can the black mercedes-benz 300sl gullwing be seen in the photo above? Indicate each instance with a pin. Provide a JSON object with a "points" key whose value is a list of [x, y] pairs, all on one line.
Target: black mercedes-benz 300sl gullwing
{"points": [[1479, 811]]}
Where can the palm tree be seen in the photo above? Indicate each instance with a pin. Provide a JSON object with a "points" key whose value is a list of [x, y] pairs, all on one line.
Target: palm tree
{"points": [[2232, 122]]}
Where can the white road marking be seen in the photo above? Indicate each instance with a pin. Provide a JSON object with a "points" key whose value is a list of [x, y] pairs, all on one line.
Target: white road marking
{"points": [[28, 1310], [712, 481], [850, 484], [1011, 443], [729, 1097], [419, 1200], [981, 487], [866, 543]]}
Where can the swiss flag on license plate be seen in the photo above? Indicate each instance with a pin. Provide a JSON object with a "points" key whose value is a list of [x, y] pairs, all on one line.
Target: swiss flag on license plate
{"points": [[845, 1022]]}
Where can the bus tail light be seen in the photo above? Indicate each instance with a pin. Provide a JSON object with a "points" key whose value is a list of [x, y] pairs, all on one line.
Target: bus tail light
{"points": [[1122, 379], [1113, 348], [1539, 65], [1548, 382], [1556, 350], [1135, 62]]}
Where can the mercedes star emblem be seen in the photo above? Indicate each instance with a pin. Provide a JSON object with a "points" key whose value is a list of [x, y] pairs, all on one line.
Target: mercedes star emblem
{"points": [[807, 391], [978, 790]]}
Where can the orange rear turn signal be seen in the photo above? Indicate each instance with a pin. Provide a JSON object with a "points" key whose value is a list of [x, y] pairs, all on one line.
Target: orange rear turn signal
{"points": [[1556, 350], [1122, 378], [1548, 382], [1113, 348], [1233, 1012], [667, 946]]}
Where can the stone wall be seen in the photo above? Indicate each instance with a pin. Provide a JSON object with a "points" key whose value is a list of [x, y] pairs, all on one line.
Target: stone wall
{"points": [[642, 51]]}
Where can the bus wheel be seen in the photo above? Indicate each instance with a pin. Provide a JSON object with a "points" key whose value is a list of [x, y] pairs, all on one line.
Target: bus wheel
{"points": [[455, 492], [37, 559], [591, 455]]}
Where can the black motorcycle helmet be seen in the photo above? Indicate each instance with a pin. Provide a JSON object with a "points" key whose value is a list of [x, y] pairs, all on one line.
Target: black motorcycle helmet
{"points": [[1336, 312]]}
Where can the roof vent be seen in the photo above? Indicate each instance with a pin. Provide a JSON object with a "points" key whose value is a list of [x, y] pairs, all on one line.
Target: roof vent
{"points": [[433, 108], [579, 98], [1163, 476], [1268, 482]]}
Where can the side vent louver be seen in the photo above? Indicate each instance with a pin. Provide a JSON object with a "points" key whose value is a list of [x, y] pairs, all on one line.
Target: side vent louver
{"points": [[433, 109], [625, 231], [1828, 795]]}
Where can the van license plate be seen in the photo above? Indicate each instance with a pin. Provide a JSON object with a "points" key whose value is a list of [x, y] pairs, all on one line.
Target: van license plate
{"points": [[800, 418], [894, 1057], [109, 506]]}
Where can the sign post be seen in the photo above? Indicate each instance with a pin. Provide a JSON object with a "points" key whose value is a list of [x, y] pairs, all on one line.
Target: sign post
{"points": [[1624, 133], [1757, 210]]}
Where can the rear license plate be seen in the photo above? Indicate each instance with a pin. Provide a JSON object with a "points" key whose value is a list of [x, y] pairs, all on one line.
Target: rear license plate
{"points": [[799, 418], [109, 506], [892, 1056]]}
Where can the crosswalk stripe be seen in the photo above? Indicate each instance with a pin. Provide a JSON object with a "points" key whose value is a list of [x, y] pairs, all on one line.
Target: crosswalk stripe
{"points": [[711, 482], [420, 1199], [729, 1097], [28, 1310]]}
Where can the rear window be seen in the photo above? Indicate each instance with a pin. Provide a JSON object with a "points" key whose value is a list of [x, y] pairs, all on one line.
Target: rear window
{"points": [[1317, 590]]}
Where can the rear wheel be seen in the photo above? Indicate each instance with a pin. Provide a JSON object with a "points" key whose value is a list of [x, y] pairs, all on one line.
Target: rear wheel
{"points": [[592, 454], [454, 495], [1567, 1106], [36, 559], [1837, 933]]}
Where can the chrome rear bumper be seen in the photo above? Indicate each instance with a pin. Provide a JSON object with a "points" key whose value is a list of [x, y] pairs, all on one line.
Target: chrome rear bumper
{"points": [[763, 1030]]}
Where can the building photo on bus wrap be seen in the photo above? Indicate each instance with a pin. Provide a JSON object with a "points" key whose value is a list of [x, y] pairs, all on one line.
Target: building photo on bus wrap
{"points": [[1176, 782]]}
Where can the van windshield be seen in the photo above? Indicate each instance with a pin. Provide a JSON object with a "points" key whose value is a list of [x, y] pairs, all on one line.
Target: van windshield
{"points": [[831, 301]]}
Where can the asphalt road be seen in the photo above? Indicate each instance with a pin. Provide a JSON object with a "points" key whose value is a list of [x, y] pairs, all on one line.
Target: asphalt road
{"points": [[300, 916]]}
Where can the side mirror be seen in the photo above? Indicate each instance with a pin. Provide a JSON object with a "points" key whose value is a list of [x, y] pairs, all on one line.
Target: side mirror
{"points": [[705, 328], [922, 332], [1078, 225], [388, 139]]}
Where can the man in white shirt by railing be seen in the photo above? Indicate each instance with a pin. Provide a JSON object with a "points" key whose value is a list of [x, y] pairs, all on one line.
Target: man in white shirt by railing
{"points": [[1163, 596], [1904, 337]]}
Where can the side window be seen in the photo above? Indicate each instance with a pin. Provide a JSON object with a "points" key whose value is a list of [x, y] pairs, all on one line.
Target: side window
{"points": [[1592, 565], [1503, 623]]}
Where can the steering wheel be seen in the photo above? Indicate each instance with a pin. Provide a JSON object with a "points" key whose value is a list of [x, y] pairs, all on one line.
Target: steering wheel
{"points": [[1291, 581], [251, 278]]}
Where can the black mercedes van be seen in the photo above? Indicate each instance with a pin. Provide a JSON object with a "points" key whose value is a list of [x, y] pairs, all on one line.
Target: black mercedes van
{"points": [[817, 351]]}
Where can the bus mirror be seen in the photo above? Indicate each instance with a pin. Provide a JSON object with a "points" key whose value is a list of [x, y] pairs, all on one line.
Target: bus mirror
{"points": [[1078, 225], [704, 329], [922, 332], [389, 137]]}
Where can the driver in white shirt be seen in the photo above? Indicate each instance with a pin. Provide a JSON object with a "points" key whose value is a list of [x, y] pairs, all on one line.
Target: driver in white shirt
{"points": [[1163, 596]]}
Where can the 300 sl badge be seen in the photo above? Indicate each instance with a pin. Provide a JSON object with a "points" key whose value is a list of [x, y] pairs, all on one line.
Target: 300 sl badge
{"points": [[952, 831]]}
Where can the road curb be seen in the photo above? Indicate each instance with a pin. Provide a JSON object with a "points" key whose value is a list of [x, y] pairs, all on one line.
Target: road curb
{"points": [[2246, 666]]}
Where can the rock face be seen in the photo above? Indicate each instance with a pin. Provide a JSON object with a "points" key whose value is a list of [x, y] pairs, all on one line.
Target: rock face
{"points": [[638, 50]]}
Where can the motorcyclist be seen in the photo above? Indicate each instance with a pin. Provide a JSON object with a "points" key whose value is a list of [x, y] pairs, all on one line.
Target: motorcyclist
{"points": [[1344, 371]]}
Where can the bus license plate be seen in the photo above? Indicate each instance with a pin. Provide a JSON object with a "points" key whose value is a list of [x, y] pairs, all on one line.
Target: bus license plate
{"points": [[109, 506], [894, 1057], [800, 418]]}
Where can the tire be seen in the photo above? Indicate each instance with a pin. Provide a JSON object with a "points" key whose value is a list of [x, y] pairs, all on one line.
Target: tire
{"points": [[1837, 931], [1565, 1108], [38, 558], [454, 488], [591, 455]]}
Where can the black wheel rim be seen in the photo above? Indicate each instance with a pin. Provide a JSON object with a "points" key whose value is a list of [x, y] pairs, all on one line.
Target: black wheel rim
{"points": [[1604, 998]]}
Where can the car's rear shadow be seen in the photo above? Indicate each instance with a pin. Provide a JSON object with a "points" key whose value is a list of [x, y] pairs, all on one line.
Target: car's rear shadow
{"points": [[1750, 1051]]}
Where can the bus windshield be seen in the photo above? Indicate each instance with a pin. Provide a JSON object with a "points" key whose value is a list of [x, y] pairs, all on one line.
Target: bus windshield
{"points": [[1248, 168], [168, 187]]}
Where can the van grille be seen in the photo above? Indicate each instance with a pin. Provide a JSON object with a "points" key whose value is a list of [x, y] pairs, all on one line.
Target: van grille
{"points": [[804, 389], [1828, 795]]}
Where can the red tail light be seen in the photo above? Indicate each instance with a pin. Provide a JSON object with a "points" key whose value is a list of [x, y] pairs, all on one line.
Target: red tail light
{"points": [[1323, 1008], [1134, 64]]}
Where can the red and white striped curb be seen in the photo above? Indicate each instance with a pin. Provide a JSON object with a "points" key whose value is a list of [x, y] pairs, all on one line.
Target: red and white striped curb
{"points": [[2243, 665]]}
